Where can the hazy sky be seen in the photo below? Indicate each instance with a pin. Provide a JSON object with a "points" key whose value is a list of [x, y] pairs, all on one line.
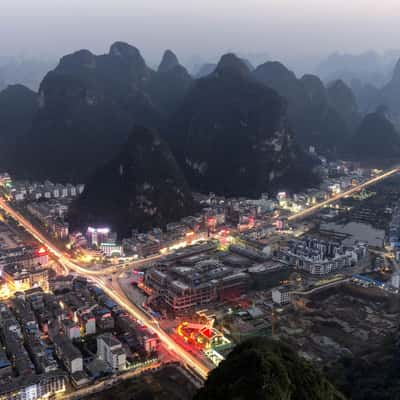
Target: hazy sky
{"points": [[285, 29]]}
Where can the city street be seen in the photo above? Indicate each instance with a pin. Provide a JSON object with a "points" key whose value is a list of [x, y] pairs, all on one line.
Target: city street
{"points": [[114, 291]]}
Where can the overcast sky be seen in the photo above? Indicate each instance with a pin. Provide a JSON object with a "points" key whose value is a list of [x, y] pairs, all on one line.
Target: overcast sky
{"points": [[285, 29]]}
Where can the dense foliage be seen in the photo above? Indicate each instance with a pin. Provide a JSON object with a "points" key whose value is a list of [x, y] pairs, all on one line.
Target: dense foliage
{"points": [[261, 369]]}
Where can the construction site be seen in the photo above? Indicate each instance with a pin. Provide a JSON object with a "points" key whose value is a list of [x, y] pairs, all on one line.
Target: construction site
{"points": [[338, 322]]}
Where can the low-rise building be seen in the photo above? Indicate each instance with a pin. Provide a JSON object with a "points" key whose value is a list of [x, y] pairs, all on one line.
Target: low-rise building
{"points": [[70, 356], [395, 280], [22, 190], [26, 256], [88, 323], [104, 319], [34, 387], [109, 349], [71, 329], [281, 295]]}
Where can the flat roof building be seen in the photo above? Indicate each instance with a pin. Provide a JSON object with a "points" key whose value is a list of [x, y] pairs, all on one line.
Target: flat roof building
{"points": [[109, 349], [68, 354], [186, 287]]}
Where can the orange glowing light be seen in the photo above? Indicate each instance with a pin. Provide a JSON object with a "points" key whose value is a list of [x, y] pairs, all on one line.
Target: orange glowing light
{"points": [[42, 251]]}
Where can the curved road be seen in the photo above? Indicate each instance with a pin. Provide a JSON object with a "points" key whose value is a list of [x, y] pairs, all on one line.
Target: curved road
{"points": [[322, 287], [98, 275], [117, 296]]}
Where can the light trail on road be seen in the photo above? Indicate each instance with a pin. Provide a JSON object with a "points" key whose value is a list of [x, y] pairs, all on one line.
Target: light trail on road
{"points": [[102, 385], [184, 356], [339, 196], [115, 293]]}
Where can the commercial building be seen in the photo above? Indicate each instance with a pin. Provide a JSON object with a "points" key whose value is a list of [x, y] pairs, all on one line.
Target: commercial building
{"points": [[111, 249], [20, 278], [5, 180], [184, 288], [142, 245], [97, 236]]}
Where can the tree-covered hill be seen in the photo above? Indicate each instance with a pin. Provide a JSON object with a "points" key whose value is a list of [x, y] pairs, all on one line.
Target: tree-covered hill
{"points": [[261, 369]]}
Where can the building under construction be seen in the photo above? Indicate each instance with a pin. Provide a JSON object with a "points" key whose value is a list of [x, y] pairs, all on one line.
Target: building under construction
{"points": [[186, 288]]}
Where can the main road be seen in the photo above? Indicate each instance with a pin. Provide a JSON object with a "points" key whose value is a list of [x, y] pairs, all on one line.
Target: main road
{"points": [[98, 276], [117, 296], [355, 189]]}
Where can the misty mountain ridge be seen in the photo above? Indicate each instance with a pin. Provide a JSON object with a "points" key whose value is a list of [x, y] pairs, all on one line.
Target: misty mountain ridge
{"points": [[169, 84], [366, 73], [226, 142], [89, 103], [28, 72], [314, 111], [227, 131], [369, 67], [376, 136], [87, 106], [18, 105], [387, 97], [168, 61]]}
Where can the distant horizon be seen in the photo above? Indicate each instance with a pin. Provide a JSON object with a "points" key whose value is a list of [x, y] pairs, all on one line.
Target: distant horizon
{"points": [[299, 34], [194, 59]]}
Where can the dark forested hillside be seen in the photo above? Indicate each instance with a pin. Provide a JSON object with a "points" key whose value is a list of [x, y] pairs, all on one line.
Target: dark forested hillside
{"points": [[141, 187], [231, 136], [262, 369]]}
